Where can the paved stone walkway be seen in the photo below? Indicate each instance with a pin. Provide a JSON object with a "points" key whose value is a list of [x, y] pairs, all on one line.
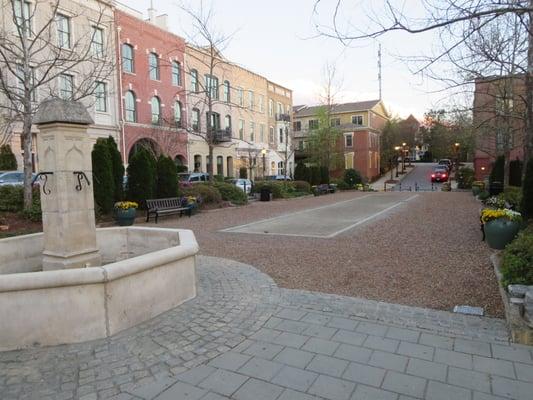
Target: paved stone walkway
{"points": [[244, 338]]}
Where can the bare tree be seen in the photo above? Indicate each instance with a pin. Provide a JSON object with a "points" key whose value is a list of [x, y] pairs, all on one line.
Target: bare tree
{"points": [[37, 49], [466, 19]]}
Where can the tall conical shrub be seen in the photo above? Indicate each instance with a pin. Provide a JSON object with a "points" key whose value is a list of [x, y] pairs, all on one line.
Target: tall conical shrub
{"points": [[8, 161], [117, 169], [496, 174], [167, 178], [526, 207], [103, 187], [141, 177]]}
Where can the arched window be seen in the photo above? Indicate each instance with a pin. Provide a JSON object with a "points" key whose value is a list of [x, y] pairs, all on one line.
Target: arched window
{"points": [[176, 73], [153, 65], [227, 122], [177, 113], [127, 58], [156, 110], [194, 80], [227, 96], [220, 165], [195, 120], [281, 169], [130, 107]]}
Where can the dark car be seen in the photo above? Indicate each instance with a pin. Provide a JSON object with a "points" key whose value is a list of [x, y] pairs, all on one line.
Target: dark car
{"points": [[447, 163], [440, 174]]}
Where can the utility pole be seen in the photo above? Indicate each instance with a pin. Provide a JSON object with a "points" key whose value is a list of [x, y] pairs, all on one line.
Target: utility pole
{"points": [[379, 69]]}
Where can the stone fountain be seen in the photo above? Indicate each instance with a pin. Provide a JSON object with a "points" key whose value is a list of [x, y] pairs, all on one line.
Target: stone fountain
{"points": [[74, 282]]}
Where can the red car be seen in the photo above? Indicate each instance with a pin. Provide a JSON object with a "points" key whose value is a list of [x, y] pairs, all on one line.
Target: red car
{"points": [[440, 174]]}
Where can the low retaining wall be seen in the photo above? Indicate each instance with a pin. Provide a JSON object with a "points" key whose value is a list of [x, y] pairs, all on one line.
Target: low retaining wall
{"points": [[75, 305]]}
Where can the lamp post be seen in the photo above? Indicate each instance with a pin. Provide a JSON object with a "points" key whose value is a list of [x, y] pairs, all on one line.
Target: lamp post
{"points": [[403, 157], [397, 149], [456, 147], [263, 153]]}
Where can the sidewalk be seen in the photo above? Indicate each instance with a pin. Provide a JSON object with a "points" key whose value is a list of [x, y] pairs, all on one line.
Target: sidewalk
{"points": [[379, 184]]}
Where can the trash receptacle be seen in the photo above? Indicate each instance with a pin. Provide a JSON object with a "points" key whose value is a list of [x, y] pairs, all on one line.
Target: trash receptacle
{"points": [[265, 194]]}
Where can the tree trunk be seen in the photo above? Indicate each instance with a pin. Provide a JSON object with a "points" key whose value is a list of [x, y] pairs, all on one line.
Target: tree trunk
{"points": [[528, 134], [506, 167], [210, 165], [27, 160]]}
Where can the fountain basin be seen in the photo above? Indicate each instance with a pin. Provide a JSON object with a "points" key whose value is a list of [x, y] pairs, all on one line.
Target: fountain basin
{"points": [[146, 271]]}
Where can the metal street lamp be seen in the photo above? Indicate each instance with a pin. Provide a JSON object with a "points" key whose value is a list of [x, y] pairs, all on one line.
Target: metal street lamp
{"points": [[263, 153], [397, 149], [403, 157], [457, 145]]}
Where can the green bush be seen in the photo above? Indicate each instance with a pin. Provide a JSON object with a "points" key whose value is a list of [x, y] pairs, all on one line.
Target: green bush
{"points": [[8, 161], [279, 190], [301, 172], [141, 177], [218, 178], [465, 178], [181, 168], [517, 260], [301, 186], [515, 173], [341, 184], [104, 185], [243, 173], [314, 175], [496, 174], [11, 198], [205, 192], [526, 207], [230, 192], [484, 195], [352, 177], [324, 175], [166, 179], [513, 196], [117, 169]]}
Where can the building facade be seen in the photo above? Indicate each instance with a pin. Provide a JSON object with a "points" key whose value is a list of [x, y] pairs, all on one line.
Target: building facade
{"points": [[499, 121], [152, 85], [280, 130], [78, 51], [361, 124]]}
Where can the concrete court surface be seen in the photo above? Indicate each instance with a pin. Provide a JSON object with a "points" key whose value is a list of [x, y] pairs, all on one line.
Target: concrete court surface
{"points": [[327, 221]]}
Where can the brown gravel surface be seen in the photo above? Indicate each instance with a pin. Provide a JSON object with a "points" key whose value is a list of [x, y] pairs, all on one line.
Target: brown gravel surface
{"points": [[426, 252]]}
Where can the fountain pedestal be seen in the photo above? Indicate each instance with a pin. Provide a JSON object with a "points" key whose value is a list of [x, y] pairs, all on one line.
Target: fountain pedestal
{"points": [[67, 202]]}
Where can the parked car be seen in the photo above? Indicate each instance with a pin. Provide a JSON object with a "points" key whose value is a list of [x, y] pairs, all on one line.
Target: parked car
{"points": [[244, 184], [193, 177], [446, 162], [14, 178], [278, 178], [440, 174]]}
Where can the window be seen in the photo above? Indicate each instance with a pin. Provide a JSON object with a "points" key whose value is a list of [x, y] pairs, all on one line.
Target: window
{"points": [[177, 113], [227, 122], [220, 165], [300, 145], [262, 133], [271, 134], [214, 121], [63, 31], [281, 169], [127, 58], [260, 103], [97, 42], [313, 124], [270, 108], [153, 66], [240, 97], [195, 120], [130, 106], [252, 131], [335, 122], [280, 108], [241, 129], [197, 163], [155, 104], [211, 86], [297, 126], [100, 94], [226, 92], [66, 86], [23, 16], [176, 73], [348, 161], [281, 135], [20, 79], [250, 99], [357, 120], [194, 80], [348, 140]]}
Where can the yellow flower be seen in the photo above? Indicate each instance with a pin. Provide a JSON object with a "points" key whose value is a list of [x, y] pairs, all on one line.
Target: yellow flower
{"points": [[126, 205], [489, 214]]}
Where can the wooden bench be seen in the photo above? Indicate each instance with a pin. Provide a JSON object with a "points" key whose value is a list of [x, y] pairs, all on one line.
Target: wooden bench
{"points": [[324, 188], [171, 205]]}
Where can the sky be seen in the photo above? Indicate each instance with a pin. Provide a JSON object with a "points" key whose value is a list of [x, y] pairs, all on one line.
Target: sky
{"points": [[278, 39]]}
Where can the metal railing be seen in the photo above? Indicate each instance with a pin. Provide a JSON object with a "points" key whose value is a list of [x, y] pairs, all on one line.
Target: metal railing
{"points": [[223, 135], [283, 117]]}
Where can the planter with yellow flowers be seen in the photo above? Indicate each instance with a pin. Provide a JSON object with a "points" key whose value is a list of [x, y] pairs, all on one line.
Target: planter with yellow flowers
{"points": [[500, 225], [125, 212]]}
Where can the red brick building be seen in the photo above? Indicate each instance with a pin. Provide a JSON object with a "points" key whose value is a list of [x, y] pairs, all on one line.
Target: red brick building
{"points": [[499, 118], [151, 82], [361, 124]]}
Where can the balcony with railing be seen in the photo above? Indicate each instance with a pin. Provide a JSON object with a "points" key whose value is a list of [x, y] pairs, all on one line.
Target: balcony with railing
{"points": [[283, 117], [222, 135]]}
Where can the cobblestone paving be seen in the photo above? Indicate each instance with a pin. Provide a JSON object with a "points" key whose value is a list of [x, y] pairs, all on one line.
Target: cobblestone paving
{"points": [[244, 338]]}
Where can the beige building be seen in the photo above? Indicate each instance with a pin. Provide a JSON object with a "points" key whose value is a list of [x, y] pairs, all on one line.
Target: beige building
{"points": [[77, 28], [281, 154], [240, 102]]}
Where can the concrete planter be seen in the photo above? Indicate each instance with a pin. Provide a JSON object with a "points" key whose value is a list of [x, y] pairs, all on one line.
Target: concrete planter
{"points": [[500, 232], [145, 272]]}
